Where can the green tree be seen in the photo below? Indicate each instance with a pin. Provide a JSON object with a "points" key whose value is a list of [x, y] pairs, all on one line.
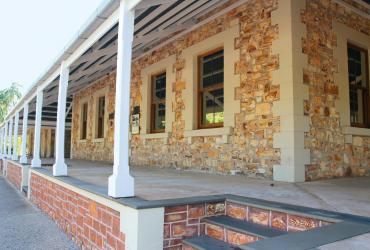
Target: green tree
{"points": [[8, 98]]}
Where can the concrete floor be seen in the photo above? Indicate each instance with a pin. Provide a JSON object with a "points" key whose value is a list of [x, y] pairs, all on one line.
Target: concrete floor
{"points": [[22, 226], [348, 195]]}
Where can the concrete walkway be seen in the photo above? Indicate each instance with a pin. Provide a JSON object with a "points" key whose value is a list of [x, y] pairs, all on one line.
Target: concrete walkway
{"points": [[24, 227]]}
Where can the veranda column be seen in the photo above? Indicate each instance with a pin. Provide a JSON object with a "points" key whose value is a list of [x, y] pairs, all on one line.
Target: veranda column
{"points": [[60, 168], [121, 183], [15, 139], [23, 159], [10, 141], [5, 139], [36, 161], [1, 141]]}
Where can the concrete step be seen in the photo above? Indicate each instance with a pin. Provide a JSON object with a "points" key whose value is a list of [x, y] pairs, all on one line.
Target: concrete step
{"points": [[237, 232], [205, 242]]}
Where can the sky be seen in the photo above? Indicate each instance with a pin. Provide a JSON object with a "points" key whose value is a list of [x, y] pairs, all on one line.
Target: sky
{"points": [[34, 32]]}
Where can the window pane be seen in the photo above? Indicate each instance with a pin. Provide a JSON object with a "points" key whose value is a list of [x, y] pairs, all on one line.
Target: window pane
{"points": [[159, 116], [159, 102], [212, 69], [357, 110], [101, 113], [213, 107], [84, 122], [358, 81], [212, 89]]}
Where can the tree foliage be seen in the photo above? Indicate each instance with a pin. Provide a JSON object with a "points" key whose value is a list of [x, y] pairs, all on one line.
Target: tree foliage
{"points": [[8, 98]]}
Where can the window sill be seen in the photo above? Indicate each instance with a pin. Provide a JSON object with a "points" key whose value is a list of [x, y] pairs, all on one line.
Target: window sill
{"points": [[163, 136], [224, 132], [99, 140], [82, 141], [356, 131], [155, 136]]}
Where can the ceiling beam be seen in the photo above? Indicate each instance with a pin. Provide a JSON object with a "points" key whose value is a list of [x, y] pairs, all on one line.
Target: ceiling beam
{"points": [[95, 54], [150, 3], [160, 33]]}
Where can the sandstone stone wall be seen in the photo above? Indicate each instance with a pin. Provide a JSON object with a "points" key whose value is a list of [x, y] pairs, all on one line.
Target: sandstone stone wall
{"points": [[331, 156], [47, 147], [92, 148], [249, 149]]}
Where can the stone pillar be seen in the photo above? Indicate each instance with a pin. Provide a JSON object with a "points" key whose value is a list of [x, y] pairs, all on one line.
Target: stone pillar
{"points": [[121, 183], [293, 92], [60, 168], [15, 139], [5, 139], [36, 161], [23, 159], [10, 141]]}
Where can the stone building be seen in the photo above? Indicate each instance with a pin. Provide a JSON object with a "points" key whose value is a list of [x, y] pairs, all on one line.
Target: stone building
{"points": [[275, 89], [270, 89], [286, 108]]}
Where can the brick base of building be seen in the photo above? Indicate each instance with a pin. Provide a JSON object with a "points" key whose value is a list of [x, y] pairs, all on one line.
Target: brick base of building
{"points": [[14, 174], [88, 223]]}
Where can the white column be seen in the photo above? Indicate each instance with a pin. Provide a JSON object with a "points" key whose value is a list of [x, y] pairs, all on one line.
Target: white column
{"points": [[15, 139], [121, 183], [1, 141], [23, 159], [60, 168], [10, 141], [5, 139], [36, 161]]}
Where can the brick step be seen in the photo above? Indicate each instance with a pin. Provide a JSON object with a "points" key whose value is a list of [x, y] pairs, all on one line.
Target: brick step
{"points": [[237, 232], [205, 242]]}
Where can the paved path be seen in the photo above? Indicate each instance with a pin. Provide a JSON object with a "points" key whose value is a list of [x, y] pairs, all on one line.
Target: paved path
{"points": [[24, 227]]}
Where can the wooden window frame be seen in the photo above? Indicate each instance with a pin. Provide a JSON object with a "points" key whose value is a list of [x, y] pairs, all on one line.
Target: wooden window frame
{"points": [[97, 116], [153, 104], [365, 90], [82, 120], [200, 91]]}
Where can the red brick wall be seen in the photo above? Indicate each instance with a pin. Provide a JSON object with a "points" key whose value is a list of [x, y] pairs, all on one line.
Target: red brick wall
{"points": [[90, 224], [14, 174]]}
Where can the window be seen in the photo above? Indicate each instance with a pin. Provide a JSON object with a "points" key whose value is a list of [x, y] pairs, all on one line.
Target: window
{"points": [[358, 86], [211, 90], [158, 103], [84, 121], [100, 117]]}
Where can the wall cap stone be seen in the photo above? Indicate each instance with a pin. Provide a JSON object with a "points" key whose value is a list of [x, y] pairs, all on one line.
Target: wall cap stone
{"points": [[356, 131], [209, 132], [155, 136]]}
